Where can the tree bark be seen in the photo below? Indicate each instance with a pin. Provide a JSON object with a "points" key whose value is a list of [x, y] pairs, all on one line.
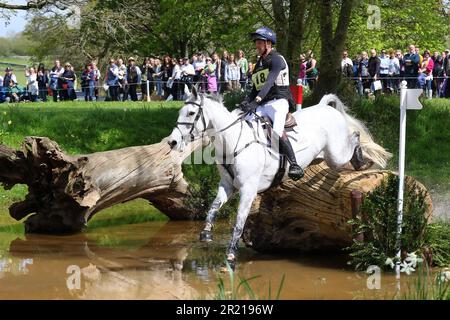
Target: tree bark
{"points": [[281, 25], [311, 214], [290, 20], [39, 4], [64, 192], [332, 46], [28, 6]]}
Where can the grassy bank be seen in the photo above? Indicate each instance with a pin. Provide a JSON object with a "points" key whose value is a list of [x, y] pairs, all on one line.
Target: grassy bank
{"points": [[427, 136], [81, 128]]}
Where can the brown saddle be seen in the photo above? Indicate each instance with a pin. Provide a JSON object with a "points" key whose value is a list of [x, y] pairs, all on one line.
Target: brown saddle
{"points": [[288, 125]]}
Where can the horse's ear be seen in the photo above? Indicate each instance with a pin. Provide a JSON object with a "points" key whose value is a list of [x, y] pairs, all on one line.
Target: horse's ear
{"points": [[194, 92]]}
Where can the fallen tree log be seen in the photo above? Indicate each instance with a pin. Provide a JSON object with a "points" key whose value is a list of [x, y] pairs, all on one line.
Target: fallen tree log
{"points": [[64, 192], [312, 214]]}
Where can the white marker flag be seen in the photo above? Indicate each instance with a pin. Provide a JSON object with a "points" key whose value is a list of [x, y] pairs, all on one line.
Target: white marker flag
{"points": [[409, 99]]}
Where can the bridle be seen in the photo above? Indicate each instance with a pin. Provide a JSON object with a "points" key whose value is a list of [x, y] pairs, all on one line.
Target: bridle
{"points": [[240, 119], [199, 115]]}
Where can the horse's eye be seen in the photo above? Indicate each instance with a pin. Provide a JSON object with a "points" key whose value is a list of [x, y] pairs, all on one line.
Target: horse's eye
{"points": [[191, 113]]}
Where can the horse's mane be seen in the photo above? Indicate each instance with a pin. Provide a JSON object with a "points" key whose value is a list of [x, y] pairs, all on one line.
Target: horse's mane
{"points": [[214, 97]]}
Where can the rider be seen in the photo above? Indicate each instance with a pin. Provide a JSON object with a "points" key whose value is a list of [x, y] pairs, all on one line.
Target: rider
{"points": [[271, 95]]}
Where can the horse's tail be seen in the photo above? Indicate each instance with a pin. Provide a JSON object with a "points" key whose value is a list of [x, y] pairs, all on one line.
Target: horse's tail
{"points": [[371, 150]]}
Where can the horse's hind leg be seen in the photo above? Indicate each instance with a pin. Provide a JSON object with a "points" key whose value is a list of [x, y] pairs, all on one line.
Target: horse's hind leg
{"points": [[339, 153], [247, 195], [223, 194], [357, 159]]}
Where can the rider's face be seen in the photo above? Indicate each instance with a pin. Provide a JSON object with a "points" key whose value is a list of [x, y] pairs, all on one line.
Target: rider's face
{"points": [[260, 46]]}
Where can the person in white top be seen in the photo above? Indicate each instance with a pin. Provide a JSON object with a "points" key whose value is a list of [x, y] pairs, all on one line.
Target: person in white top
{"points": [[199, 63], [187, 74], [176, 78], [394, 71], [55, 80], [346, 65], [1, 90], [122, 78], [384, 69], [232, 74], [32, 84]]}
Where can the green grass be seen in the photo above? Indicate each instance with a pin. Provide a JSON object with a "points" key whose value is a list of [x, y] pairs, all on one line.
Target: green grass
{"points": [[15, 60], [133, 212], [427, 286], [438, 240], [240, 288], [427, 136], [81, 127]]}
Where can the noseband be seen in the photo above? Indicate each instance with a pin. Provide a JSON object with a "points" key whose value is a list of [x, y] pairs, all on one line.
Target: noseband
{"points": [[199, 115]]}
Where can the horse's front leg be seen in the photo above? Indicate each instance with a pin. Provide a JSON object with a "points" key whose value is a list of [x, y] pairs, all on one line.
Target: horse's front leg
{"points": [[247, 195], [223, 194]]}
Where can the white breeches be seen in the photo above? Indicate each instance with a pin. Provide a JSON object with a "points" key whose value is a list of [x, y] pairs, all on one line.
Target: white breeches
{"points": [[276, 110]]}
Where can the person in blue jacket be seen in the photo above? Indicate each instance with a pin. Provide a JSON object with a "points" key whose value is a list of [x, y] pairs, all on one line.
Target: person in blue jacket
{"points": [[411, 62]]}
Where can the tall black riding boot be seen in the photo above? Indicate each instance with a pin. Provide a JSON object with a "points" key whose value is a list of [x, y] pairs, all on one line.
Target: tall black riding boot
{"points": [[295, 171]]}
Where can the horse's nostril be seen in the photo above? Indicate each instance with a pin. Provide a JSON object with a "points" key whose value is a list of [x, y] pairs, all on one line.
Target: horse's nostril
{"points": [[173, 143]]}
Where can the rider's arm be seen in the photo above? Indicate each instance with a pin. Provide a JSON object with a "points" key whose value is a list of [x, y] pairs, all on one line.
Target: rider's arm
{"points": [[277, 66]]}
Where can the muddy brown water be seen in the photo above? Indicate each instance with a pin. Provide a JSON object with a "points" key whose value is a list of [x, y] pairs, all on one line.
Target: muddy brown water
{"points": [[165, 260]]}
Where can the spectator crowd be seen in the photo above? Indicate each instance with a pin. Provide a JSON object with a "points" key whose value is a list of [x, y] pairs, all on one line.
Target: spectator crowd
{"points": [[383, 73], [172, 78], [165, 79]]}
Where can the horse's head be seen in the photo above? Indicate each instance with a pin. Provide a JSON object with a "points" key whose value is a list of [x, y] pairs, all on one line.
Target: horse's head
{"points": [[192, 122]]}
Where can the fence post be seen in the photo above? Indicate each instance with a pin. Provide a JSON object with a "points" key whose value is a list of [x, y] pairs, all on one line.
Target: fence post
{"points": [[356, 201], [299, 94]]}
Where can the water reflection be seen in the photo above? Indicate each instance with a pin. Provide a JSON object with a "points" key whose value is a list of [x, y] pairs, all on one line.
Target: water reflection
{"points": [[160, 260]]}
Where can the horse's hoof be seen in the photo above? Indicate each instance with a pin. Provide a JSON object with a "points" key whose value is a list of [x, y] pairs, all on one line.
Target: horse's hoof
{"points": [[206, 236], [357, 159], [224, 269], [229, 266]]}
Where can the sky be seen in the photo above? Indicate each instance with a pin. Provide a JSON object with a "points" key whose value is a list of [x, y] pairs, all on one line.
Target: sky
{"points": [[17, 21]]}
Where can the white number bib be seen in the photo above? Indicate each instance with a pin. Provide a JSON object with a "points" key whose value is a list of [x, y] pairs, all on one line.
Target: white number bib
{"points": [[260, 78]]}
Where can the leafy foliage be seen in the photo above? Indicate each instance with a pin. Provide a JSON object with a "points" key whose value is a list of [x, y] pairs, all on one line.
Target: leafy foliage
{"points": [[203, 183], [378, 224], [438, 240], [142, 28], [402, 23], [243, 289], [5, 123], [427, 286], [17, 45]]}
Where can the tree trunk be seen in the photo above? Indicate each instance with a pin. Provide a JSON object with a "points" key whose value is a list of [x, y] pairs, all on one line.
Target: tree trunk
{"points": [[281, 25], [311, 214], [66, 191], [332, 46], [289, 26], [297, 9]]}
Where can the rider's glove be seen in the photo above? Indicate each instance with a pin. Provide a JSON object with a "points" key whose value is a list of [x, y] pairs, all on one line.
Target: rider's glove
{"points": [[249, 106]]}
